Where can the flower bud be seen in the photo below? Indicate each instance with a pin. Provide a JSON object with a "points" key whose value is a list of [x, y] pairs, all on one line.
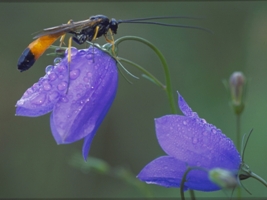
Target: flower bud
{"points": [[223, 178], [237, 83]]}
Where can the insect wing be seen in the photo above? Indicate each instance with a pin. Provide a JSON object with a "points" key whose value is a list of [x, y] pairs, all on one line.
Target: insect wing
{"points": [[65, 28]]}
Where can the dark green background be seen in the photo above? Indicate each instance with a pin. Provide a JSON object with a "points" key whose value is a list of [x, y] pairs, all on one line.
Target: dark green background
{"points": [[32, 165]]}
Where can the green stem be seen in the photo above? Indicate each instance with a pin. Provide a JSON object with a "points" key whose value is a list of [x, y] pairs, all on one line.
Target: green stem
{"points": [[238, 132], [192, 194], [238, 139], [144, 71], [255, 176], [164, 64]]}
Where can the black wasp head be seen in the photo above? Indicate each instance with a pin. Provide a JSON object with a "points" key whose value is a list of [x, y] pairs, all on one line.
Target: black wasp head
{"points": [[113, 25]]}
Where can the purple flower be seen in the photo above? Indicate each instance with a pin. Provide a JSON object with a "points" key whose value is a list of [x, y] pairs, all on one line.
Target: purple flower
{"points": [[189, 141], [77, 114]]}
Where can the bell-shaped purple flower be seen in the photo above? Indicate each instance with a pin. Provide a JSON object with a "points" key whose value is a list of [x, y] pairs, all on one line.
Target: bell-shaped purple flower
{"points": [[79, 97], [189, 141]]}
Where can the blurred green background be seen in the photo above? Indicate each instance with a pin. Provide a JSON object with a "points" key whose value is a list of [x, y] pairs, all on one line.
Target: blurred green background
{"points": [[33, 165]]}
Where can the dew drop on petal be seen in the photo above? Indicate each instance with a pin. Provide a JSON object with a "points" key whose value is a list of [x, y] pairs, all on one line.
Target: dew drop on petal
{"points": [[74, 74], [49, 68], [61, 76], [194, 140], [85, 79], [213, 131], [57, 60], [62, 86], [81, 52], [47, 86], [205, 133], [89, 56], [52, 96], [28, 92], [73, 51], [64, 99], [52, 76], [96, 66], [39, 100], [61, 68], [203, 121], [20, 102], [184, 122], [35, 86], [89, 74]]}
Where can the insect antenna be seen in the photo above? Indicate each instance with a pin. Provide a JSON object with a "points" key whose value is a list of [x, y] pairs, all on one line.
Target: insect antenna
{"points": [[145, 21]]}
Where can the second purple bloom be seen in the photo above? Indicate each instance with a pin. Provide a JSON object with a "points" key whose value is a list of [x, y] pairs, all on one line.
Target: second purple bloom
{"points": [[189, 141]]}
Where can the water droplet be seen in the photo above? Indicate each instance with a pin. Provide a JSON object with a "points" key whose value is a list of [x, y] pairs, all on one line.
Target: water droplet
{"points": [[81, 52], [61, 76], [89, 74], [78, 95], [62, 86], [203, 121], [194, 140], [47, 86], [57, 60], [52, 76], [49, 68], [64, 99], [184, 122], [96, 66], [29, 91], [53, 96], [74, 74], [89, 56], [73, 51], [85, 79], [61, 68], [213, 131], [205, 133], [38, 100], [35, 86]]}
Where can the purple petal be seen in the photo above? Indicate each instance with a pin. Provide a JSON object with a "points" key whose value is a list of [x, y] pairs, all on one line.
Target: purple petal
{"points": [[196, 142], [168, 171], [93, 85], [88, 139], [165, 171], [184, 107], [41, 97]]}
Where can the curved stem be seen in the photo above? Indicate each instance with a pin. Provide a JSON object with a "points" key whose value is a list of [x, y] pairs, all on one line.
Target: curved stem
{"points": [[184, 180], [144, 71], [255, 176], [164, 64]]}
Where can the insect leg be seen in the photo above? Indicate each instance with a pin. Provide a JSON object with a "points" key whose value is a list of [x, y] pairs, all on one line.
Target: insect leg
{"points": [[111, 41], [63, 36], [69, 60], [96, 32]]}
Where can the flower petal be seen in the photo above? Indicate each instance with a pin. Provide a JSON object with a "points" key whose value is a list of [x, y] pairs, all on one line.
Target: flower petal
{"points": [[196, 142], [93, 85], [41, 97], [184, 107], [166, 171], [88, 139]]}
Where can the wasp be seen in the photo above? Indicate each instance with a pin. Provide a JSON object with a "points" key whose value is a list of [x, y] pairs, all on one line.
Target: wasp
{"points": [[82, 31]]}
